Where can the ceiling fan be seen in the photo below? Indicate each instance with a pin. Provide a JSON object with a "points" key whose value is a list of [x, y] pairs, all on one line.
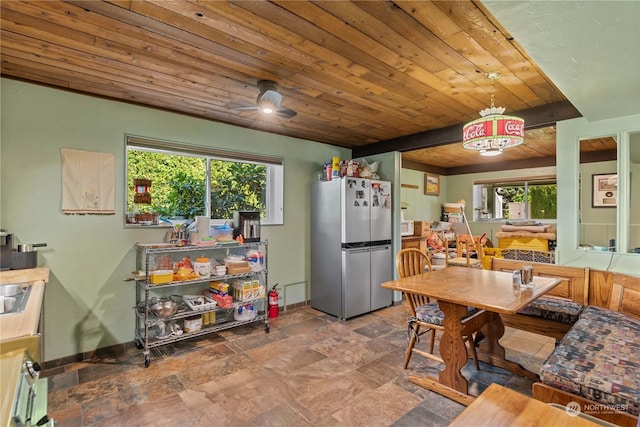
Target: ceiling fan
{"points": [[268, 101]]}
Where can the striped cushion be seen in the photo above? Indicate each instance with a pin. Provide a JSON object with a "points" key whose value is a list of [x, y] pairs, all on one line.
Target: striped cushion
{"points": [[431, 313]]}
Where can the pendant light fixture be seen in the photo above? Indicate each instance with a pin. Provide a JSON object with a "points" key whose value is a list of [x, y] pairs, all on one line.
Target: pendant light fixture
{"points": [[493, 132]]}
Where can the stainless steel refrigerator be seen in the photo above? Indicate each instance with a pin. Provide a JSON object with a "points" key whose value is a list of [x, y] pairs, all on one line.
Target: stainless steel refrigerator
{"points": [[351, 252]]}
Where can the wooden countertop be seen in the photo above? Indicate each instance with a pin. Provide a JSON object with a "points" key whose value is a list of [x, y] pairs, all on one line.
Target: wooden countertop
{"points": [[25, 323]]}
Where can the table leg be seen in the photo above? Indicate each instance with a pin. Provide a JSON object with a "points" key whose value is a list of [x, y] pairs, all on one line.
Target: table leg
{"points": [[493, 353], [450, 383], [493, 330], [452, 348]]}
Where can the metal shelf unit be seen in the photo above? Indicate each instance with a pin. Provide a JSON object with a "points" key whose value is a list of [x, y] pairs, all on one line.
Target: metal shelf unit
{"points": [[146, 334]]}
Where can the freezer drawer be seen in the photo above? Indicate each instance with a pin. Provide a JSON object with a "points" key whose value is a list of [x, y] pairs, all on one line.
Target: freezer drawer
{"points": [[381, 271], [356, 287]]}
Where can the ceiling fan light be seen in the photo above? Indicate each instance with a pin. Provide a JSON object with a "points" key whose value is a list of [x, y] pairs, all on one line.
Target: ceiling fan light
{"points": [[266, 106]]}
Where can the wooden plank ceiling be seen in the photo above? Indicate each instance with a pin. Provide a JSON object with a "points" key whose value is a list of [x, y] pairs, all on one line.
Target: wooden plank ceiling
{"points": [[367, 75]]}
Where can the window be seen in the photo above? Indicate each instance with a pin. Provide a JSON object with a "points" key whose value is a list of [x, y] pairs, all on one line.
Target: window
{"points": [[189, 181], [533, 198]]}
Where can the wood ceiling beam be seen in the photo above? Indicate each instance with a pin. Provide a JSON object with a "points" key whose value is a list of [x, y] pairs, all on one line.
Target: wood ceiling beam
{"points": [[536, 117], [598, 156], [537, 162]]}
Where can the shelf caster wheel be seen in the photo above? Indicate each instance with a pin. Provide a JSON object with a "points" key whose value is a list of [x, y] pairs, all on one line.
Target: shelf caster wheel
{"points": [[266, 328], [147, 360], [139, 345]]}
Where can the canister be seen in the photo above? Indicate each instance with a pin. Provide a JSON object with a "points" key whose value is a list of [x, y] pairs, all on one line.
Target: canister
{"points": [[193, 323], [202, 267]]}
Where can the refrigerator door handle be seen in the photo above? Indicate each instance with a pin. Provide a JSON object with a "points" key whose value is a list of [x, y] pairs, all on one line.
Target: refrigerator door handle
{"points": [[357, 250]]}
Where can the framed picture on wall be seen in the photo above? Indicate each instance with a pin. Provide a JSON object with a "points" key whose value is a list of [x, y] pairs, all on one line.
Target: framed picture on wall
{"points": [[604, 193], [431, 184]]}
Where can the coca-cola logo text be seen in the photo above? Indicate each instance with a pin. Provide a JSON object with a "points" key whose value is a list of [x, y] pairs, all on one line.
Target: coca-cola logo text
{"points": [[473, 131], [514, 127]]}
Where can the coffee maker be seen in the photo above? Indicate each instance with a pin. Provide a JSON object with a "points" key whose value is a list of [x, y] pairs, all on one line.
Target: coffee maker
{"points": [[247, 223], [6, 240]]}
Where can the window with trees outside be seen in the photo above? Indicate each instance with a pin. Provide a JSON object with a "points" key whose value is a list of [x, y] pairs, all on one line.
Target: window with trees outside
{"points": [[189, 181], [533, 198]]}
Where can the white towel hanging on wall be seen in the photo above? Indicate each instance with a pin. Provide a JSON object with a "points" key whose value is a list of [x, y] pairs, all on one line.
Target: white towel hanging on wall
{"points": [[88, 182]]}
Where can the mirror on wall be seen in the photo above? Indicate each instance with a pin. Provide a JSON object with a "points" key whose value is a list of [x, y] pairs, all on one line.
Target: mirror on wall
{"points": [[634, 187], [598, 193]]}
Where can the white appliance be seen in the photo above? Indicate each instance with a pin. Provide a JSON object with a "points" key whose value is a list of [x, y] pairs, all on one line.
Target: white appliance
{"points": [[406, 227], [351, 253]]}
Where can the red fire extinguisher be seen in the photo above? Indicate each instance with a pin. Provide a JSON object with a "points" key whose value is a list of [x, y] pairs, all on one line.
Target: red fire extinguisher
{"points": [[273, 302]]}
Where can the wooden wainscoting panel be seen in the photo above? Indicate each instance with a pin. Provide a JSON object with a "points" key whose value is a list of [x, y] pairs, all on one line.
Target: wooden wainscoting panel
{"points": [[600, 284]]}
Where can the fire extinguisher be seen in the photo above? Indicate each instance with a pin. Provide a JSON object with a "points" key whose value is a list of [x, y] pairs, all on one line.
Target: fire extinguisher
{"points": [[273, 302]]}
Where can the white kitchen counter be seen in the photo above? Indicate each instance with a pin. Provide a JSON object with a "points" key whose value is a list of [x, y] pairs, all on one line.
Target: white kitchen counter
{"points": [[25, 323]]}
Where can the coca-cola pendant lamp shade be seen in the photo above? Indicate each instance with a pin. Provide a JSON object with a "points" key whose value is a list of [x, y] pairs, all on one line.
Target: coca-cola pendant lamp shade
{"points": [[493, 132]]}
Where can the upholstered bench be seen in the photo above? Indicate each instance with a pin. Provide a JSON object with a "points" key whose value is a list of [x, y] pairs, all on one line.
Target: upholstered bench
{"points": [[597, 364], [599, 359]]}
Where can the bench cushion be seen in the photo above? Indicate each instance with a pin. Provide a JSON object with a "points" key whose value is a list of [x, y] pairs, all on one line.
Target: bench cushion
{"points": [[431, 313], [599, 359], [558, 309]]}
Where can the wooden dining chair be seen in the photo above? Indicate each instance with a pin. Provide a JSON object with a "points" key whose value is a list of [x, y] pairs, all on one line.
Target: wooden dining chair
{"points": [[424, 313], [466, 246]]}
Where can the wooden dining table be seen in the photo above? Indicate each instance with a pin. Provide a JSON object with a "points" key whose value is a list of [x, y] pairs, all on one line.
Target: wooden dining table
{"points": [[456, 288], [500, 406]]}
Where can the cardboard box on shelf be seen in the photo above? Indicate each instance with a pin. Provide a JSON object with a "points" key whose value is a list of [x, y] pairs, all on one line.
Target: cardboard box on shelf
{"points": [[238, 267], [223, 301], [219, 288], [243, 289]]}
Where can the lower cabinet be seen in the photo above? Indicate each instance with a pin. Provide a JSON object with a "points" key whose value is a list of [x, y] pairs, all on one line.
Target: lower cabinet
{"points": [[416, 242]]}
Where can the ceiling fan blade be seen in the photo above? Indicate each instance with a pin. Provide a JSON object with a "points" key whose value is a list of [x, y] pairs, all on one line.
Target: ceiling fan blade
{"points": [[285, 112], [271, 97], [248, 108], [242, 105]]}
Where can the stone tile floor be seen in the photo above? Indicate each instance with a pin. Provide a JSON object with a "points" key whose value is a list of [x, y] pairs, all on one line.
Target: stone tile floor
{"points": [[310, 370]]}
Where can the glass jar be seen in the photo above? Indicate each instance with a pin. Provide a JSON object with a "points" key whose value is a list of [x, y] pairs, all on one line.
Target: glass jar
{"points": [[517, 279]]}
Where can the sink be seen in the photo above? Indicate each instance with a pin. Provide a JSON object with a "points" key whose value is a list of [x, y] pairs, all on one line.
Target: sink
{"points": [[14, 298]]}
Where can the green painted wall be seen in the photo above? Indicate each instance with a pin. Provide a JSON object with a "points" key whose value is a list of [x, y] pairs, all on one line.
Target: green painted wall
{"points": [[87, 304], [421, 207]]}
